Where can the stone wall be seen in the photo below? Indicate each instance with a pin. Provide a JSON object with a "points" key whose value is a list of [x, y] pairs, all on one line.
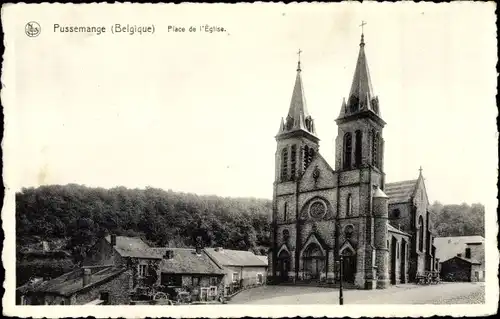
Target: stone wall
{"points": [[118, 288], [456, 269]]}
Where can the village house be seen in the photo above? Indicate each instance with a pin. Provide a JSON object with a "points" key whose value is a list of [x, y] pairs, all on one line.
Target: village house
{"points": [[121, 270], [242, 268], [191, 271], [461, 258]]}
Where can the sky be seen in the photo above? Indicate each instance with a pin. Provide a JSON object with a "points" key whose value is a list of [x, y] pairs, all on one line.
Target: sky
{"points": [[198, 112]]}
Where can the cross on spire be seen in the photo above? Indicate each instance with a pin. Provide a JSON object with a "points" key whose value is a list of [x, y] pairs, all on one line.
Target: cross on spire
{"points": [[420, 169], [298, 64], [362, 25]]}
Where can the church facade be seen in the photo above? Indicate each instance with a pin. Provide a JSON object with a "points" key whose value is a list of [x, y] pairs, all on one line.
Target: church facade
{"points": [[322, 212]]}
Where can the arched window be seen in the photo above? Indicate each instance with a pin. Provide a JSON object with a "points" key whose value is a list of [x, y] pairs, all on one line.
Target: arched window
{"points": [[348, 231], [347, 150], [348, 205], [357, 150], [375, 149], [286, 235], [420, 233], [285, 212], [311, 155], [293, 159], [284, 164]]}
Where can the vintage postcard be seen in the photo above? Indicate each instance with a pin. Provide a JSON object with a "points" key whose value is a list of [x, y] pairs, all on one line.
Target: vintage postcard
{"points": [[268, 160]]}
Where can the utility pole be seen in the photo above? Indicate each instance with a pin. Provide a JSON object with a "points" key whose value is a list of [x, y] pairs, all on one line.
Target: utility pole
{"points": [[340, 273], [341, 293]]}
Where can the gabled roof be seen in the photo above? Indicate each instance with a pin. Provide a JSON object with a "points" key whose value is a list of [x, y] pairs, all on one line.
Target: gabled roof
{"points": [[264, 259], [72, 282], [468, 260], [393, 229], [186, 261], [229, 257], [133, 247], [400, 192], [449, 247]]}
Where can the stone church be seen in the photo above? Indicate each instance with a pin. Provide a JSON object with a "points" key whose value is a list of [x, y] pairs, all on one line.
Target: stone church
{"points": [[382, 231]]}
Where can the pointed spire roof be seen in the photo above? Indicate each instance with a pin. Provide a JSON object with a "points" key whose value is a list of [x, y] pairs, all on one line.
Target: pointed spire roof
{"points": [[298, 106], [298, 118], [361, 86], [361, 97]]}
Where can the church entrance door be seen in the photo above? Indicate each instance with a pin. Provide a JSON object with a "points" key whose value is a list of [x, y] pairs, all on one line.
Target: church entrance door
{"points": [[314, 262], [284, 265], [348, 266]]}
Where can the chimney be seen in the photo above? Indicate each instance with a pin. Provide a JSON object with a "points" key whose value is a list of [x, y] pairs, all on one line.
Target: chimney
{"points": [[169, 254], [459, 255], [199, 245], [113, 240], [45, 246], [87, 276]]}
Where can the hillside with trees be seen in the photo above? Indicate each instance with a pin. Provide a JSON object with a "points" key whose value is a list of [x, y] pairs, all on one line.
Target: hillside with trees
{"points": [[72, 217], [76, 216], [457, 220]]}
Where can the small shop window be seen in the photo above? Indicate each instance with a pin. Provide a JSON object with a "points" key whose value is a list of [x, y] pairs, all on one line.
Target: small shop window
{"points": [[104, 296], [260, 278], [196, 281], [213, 291], [142, 270], [213, 281], [171, 280], [236, 277]]}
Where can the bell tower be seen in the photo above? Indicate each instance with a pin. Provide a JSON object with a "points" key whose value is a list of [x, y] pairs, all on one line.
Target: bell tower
{"points": [[359, 142], [296, 138]]}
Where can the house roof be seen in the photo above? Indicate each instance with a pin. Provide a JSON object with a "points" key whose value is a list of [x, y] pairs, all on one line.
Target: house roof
{"points": [[400, 192], [186, 261], [449, 247], [393, 229], [228, 257], [468, 260], [71, 282], [264, 259], [133, 247]]}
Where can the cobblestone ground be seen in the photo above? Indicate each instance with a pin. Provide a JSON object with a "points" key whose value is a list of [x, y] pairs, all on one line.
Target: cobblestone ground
{"points": [[444, 293]]}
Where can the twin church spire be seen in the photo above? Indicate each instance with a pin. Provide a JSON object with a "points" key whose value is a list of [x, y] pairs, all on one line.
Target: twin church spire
{"points": [[361, 98], [298, 118]]}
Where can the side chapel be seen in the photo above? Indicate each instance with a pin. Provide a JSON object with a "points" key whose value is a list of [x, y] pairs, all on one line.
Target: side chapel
{"points": [[319, 213]]}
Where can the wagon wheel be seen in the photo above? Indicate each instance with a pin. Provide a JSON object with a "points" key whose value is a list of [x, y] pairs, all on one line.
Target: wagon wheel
{"points": [[160, 296]]}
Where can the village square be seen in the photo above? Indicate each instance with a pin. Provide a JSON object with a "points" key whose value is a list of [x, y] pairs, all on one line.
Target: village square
{"points": [[338, 233]]}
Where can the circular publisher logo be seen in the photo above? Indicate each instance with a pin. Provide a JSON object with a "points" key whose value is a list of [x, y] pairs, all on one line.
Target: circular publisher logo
{"points": [[32, 29]]}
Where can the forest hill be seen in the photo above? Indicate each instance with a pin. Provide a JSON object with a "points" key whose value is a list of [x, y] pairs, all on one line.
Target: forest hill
{"points": [[77, 215]]}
